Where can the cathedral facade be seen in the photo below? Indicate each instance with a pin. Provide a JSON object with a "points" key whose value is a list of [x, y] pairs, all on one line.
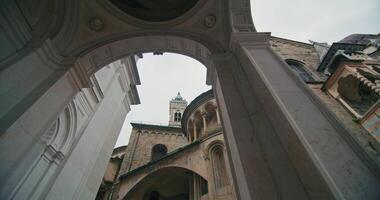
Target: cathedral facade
{"points": [[188, 159], [179, 161]]}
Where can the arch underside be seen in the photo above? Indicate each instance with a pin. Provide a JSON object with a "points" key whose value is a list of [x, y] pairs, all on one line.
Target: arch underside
{"points": [[256, 102], [103, 55], [168, 181]]}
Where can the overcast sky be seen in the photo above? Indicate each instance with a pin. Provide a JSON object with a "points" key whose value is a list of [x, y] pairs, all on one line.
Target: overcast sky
{"points": [[318, 20]]}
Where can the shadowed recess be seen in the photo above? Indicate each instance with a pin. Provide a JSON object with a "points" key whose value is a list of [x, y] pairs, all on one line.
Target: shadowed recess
{"points": [[155, 10]]}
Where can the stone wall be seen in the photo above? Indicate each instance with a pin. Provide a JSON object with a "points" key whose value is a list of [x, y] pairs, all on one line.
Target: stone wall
{"points": [[112, 170], [306, 53], [289, 49], [356, 130], [64, 147], [142, 141], [194, 157]]}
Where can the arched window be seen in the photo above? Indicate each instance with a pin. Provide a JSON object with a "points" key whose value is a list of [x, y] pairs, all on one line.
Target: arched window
{"points": [[299, 68], [177, 116], [158, 151], [219, 167]]}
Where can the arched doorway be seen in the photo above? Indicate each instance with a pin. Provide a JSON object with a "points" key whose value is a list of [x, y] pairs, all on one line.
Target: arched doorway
{"points": [[276, 129]]}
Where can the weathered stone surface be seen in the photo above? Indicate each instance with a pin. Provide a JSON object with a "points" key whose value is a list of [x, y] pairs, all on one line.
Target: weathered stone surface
{"points": [[276, 129]]}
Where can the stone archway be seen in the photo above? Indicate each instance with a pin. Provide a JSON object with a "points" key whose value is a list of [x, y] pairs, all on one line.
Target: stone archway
{"points": [[124, 188], [103, 55], [177, 181], [282, 141]]}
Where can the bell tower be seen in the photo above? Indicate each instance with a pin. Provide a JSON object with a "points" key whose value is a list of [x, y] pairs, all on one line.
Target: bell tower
{"points": [[176, 108]]}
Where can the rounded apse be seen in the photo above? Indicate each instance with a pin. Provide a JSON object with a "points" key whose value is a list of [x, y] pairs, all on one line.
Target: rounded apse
{"points": [[155, 10]]}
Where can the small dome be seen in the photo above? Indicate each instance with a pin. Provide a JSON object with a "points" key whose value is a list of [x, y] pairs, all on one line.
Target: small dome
{"points": [[178, 97]]}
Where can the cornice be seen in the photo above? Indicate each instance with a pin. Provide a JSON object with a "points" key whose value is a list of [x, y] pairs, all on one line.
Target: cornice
{"points": [[155, 127], [249, 39], [297, 43]]}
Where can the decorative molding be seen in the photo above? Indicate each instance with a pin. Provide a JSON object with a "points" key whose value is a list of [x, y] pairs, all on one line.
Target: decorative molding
{"points": [[83, 104], [65, 134], [27, 28], [252, 40], [210, 21], [96, 90], [96, 24], [50, 56], [69, 25], [211, 146], [240, 16], [59, 140], [106, 54]]}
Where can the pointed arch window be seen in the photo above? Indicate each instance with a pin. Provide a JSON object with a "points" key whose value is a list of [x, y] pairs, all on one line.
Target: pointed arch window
{"points": [[300, 69]]}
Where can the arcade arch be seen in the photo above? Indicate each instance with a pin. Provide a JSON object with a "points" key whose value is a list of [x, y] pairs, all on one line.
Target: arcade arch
{"points": [[276, 129], [169, 182], [212, 55], [102, 55]]}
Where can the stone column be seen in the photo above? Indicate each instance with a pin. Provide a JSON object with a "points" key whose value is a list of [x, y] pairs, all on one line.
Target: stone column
{"points": [[217, 115], [204, 122], [191, 185], [194, 132], [196, 187], [282, 142]]}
